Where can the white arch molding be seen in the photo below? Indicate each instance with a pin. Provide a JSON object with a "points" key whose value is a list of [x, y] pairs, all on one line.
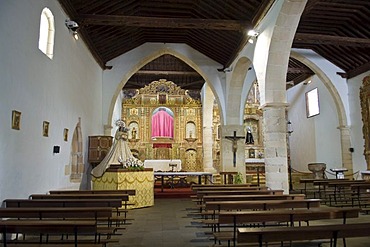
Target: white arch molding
{"points": [[342, 117], [145, 61]]}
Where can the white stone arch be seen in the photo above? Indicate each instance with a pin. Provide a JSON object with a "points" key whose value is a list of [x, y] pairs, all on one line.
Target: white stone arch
{"points": [[341, 112], [145, 61], [270, 61], [235, 102]]}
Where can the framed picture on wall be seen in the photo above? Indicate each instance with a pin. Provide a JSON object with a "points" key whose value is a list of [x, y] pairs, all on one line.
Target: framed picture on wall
{"points": [[65, 135], [16, 120], [45, 128]]}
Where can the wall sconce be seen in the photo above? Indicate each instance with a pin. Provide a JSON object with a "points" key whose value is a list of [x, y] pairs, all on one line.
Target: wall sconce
{"points": [[252, 36], [289, 127], [73, 27]]}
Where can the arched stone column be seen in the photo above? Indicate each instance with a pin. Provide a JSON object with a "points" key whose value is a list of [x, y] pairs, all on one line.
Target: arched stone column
{"points": [[207, 105], [345, 139], [271, 63], [275, 142]]}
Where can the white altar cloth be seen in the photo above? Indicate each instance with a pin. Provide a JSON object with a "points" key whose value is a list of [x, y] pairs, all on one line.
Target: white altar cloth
{"points": [[163, 165]]}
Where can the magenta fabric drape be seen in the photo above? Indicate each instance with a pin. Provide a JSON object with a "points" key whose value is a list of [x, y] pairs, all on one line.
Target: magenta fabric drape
{"points": [[162, 124]]}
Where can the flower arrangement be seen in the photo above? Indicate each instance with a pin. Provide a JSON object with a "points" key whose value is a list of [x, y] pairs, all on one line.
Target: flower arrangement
{"points": [[133, 164]]}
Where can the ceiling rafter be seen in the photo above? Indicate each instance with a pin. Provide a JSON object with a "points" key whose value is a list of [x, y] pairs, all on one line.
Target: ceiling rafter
{"points": [[160, 22]]}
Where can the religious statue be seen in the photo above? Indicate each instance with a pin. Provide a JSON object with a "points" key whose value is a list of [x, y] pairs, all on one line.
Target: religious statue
{"points": [[119, 152], [133, 133], [249, 138]]}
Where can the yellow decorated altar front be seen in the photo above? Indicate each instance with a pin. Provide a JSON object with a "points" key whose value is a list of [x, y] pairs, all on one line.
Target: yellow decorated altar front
{"points": [[121, 179]]}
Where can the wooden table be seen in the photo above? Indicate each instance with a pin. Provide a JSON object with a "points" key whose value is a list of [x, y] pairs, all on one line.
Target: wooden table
{"points": [[206, 175]]}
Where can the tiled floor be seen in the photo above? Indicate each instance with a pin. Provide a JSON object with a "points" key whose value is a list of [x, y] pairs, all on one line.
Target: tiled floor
{"points": [[172, 223]]}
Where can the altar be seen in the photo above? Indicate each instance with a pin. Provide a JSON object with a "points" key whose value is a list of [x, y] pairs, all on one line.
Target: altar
{"points": [[122, 179], [163, 165]]}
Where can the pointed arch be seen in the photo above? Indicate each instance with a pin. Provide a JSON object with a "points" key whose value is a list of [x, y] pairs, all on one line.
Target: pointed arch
{"points": [[147, 60]]}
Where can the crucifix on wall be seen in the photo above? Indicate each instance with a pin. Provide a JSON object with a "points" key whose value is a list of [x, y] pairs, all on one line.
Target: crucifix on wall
{"points": [[234, 139]]}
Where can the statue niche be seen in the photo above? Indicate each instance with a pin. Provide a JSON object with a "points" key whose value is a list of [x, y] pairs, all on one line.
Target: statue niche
{"points": [[162, 123]]}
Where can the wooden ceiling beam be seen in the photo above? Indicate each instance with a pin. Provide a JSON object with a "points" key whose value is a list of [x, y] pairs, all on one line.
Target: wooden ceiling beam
{"points": [[159, 22], [299, 70], [167, 72], [330, 40], [355, 72]]}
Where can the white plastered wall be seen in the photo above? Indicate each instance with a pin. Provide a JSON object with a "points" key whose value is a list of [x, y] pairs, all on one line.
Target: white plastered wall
{"points": [[59, 91]]}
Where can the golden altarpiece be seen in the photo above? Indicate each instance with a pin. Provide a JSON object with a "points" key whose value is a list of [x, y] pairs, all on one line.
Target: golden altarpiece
{"points": [[183, 142]]}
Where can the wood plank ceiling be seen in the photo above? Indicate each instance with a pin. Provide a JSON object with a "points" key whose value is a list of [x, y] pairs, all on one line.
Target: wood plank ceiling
{"points": [[335, 29]]}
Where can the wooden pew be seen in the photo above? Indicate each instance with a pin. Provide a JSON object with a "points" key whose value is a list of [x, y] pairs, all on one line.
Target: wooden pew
{"points": [[361, 195], [94, 213], [252, 197], [128, 192], [239, 192], [21, 203], [123, 197], [236, 218], [47, 227], [261, 204], [339, 192], [100, 215], [215, 208], [280, 234]]}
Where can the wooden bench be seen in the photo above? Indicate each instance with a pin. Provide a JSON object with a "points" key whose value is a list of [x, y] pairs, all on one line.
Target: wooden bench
{"points": [[128, 192], [216, 208], [281, 234], [115, 204], [281, 215], [123, 197], [47, 227], [101, 215], [19, 203]]}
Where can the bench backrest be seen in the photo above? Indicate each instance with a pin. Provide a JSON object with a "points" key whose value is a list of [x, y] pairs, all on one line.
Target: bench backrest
{"points": [[201, 194], [123, 197], [16, 203], [284, 215], [92, 213], [128, 192], [209, 198], [272, 234], [262, 204]]}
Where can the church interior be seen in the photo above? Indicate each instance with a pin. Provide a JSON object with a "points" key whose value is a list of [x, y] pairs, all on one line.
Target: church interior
{"points": [[264, 93]]}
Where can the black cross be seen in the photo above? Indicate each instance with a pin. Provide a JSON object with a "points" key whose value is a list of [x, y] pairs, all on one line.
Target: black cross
{"points": [[234, 139]]}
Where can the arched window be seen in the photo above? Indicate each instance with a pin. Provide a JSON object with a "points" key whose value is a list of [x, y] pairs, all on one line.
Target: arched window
{"points": [[47, 30]]}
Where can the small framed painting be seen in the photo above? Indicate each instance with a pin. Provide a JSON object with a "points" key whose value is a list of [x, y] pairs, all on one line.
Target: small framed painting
{"points": [[16, 120], [65, 135], [45, 128]]}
